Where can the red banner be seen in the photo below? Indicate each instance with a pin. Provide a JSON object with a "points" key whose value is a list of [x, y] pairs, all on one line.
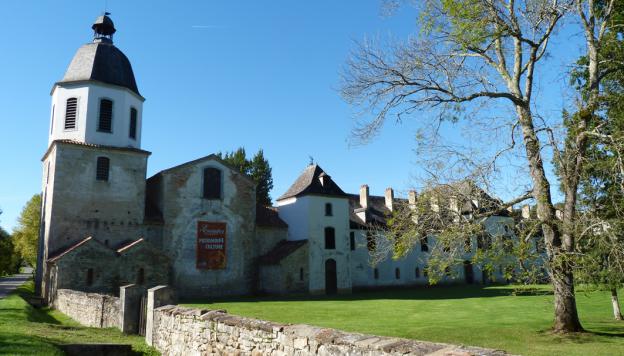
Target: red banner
{"points": [[210, 245]]}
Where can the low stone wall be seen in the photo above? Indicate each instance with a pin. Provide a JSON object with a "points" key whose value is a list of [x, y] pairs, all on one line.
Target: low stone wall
{"points": [[186, 331], [90, 309]]}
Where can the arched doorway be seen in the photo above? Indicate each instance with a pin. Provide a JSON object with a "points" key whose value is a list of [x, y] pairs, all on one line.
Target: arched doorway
{"points": [[331, 279], [468, 272]]}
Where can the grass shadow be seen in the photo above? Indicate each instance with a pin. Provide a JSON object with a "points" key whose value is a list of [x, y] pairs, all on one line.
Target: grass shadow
{"points": [[438, 292]]}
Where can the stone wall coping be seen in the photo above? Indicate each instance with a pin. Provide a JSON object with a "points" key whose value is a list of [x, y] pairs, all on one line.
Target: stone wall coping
{"points": [[326, 336]]}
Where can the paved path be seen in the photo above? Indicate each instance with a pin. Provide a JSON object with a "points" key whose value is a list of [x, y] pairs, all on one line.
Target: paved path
{"points": [[8, 284]]}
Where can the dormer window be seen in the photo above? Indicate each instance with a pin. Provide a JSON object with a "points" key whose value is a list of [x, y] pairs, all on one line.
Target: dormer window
{"points": [[102, 169], [71, 109], [212, 183], [328, 209], [133, 123], [105, 122]]}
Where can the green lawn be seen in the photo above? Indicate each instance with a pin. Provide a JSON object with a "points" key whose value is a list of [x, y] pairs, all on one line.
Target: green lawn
{"points": [[25, 330], [489, 317]]}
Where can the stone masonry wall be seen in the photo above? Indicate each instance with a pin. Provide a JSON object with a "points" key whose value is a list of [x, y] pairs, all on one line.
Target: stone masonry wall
{"points": [[89, 309], [186, 331]]}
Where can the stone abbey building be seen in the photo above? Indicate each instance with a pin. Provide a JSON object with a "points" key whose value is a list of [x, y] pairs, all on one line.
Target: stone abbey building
{"points": [[195, 226]]}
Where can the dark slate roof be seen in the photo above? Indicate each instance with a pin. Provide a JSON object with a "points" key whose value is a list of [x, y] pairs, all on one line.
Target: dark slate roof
{"points": [[309, 183], [282, 250], [102, 62], [268, 217], [376, 213]]}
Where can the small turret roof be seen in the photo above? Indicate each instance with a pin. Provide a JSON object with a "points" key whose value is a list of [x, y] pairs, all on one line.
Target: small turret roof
{"points": [[309, 183]]}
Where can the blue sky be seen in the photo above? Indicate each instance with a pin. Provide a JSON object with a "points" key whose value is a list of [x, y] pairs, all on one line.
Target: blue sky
{"points": [[216, 76]]}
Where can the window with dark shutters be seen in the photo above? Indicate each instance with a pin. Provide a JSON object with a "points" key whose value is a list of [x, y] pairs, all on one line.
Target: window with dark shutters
{"points": [[330, 238], [133, 123], [71, 109], [212, 183], [102, 169], [105, 123]]}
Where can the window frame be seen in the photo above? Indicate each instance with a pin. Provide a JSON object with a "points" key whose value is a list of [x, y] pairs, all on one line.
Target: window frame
{"points": [[136, 123], [98, 177], [112, 115], [329, 209], [330, 239], [352, 240], [204, 191]]}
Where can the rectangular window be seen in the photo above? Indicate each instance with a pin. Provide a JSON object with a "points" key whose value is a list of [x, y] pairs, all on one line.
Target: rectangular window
{"points": [[328, 209], [352, 240], [102, 169], [212, 183], [70, 113], [424, 244], [105, 123], [330, 238], [133, 123]]}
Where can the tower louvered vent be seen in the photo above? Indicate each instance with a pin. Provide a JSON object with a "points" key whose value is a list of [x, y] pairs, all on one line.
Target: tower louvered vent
{"points": [[70, 113], [106, 116]]}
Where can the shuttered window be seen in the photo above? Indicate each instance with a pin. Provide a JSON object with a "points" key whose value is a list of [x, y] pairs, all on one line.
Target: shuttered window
{"points": [[71, 109], [105, 124], [102, 169], [212, 183], [133, 123]]}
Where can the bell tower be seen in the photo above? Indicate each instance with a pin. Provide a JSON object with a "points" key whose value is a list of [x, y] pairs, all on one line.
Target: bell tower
{"points": [[94, 168], [98, 101]]}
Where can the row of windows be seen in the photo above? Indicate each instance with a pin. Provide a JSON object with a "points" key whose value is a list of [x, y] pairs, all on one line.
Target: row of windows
{"points": [[105, 117], [397, 273]]}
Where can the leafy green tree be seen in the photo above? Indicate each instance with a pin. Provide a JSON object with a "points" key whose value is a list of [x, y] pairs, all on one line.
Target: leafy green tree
{"points": [[257, 168], [26, 234], [261, 173], [9, 259], [471, 54]]}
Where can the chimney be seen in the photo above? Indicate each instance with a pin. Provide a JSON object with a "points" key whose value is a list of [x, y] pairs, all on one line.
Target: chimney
{"points": [[411, 198], [526, 212], [389, 198], [364, 196]]}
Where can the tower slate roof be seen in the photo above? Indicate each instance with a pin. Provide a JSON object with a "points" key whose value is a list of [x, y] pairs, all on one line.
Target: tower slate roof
{"points": [[309, 183], [101, 61]]}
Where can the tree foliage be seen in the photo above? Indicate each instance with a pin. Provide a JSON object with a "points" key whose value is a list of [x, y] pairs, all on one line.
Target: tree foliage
{"points": [[258, 168], [26, 234], [9, 259]]}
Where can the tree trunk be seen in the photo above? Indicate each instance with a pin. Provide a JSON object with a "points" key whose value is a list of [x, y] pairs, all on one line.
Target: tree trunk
{"points": [[566, 315], [616, 305]]}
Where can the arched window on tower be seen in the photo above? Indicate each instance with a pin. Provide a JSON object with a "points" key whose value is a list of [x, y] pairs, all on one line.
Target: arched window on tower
{"points": [[102, 168], [133, 123], [105, 122], [71, 111], [330, 238], [212, 183]]}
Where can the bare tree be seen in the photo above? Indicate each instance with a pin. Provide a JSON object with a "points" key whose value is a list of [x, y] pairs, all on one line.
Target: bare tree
{"points": [[472, 53]]}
